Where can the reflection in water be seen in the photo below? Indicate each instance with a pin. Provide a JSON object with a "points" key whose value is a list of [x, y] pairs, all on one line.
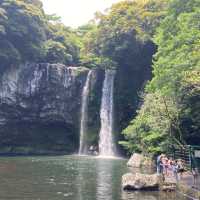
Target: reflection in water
{"points": [[85, 180], [80, 186], [104, 178], [151, 196], [138, 195]]}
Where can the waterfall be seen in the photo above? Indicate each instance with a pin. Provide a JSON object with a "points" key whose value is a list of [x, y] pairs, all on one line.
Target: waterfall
{"points": [[69, 76], [84, 115], [106, 145], [35, 81]]}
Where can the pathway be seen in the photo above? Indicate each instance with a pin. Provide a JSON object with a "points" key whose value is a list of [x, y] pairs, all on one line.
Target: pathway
{"points": [[188, 180], [185, 185]]}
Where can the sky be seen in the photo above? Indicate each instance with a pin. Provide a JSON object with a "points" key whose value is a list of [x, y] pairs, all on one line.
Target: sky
{"points": [[76, 12]]}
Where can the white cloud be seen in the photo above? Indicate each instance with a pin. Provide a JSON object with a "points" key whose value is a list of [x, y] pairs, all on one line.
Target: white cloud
{"points": [[76, 12]]}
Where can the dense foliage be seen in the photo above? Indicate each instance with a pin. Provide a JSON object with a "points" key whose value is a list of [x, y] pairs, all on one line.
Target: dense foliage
{"points": [[121, 38], [27, 34], [169, 114], [120, 34]]}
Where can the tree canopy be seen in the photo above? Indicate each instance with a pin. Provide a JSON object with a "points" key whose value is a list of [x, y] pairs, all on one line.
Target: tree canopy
{"points": [[27, 34], [169, 111], [122, 31]]}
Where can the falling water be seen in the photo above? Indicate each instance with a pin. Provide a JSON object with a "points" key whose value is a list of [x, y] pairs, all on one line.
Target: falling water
{"points": [[106, 145], [84, 115]]}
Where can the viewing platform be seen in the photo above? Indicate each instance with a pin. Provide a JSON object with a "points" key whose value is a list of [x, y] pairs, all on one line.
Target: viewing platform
{"points": [[186, 185]]}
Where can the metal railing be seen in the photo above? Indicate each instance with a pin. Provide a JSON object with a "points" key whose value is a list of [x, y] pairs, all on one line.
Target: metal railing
{"points": [[189, 154], [195, 156]]}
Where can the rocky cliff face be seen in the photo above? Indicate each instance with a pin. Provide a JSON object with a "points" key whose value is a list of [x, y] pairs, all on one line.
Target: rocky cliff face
{"points": [[40, 108]]}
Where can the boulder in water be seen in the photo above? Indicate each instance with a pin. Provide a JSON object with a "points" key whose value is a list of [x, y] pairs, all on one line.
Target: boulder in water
{"points": [[140, 181], [138, 160]]}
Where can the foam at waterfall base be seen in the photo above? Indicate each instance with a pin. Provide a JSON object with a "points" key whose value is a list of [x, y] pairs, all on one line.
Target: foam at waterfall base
{"points": [[109, 157], [100, 157]]}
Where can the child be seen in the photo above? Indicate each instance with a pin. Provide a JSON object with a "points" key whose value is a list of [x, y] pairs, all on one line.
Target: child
{"points": [[175, 169], [165, 165], [180, 168], [169, 167]]}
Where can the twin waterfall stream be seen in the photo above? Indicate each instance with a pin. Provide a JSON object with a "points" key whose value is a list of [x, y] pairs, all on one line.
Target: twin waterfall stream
{"points": [[84, 115], [106, 144]]}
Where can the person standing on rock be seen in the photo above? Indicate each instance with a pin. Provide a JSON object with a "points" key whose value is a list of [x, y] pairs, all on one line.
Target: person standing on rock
{"points": [[164, 164], [159, 164]]}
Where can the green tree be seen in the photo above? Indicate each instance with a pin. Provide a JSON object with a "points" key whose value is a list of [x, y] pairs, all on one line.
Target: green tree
{"points": [[22, 31], [27, 34], [176, 80], [152, 129], [124, 28], [62, 44]]}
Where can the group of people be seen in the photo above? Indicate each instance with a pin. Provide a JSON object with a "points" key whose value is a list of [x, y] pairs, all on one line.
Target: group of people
{"points": [[169, 167]]}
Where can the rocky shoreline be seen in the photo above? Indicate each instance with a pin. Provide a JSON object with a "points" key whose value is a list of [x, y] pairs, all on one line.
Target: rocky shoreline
{"points": [[142, 177]]}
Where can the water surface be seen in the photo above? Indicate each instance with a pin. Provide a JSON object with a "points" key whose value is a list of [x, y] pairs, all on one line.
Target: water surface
{"points": [[67, 178]]}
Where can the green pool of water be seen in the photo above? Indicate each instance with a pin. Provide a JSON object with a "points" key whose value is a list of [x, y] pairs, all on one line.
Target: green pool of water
{"points": [[67, 178]]}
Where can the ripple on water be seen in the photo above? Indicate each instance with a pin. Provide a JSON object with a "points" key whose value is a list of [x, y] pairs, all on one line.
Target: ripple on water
{"points": [[67, 194]]}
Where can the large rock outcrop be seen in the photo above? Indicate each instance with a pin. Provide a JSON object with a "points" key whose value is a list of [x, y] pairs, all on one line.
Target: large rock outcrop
{"points": [[138, 160], [140, 181], [39, 108]]}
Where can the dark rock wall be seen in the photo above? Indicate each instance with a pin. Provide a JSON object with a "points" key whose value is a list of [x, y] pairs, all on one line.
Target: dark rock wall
{"points": [[40, 105], [40, 108], [130, 81]]}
